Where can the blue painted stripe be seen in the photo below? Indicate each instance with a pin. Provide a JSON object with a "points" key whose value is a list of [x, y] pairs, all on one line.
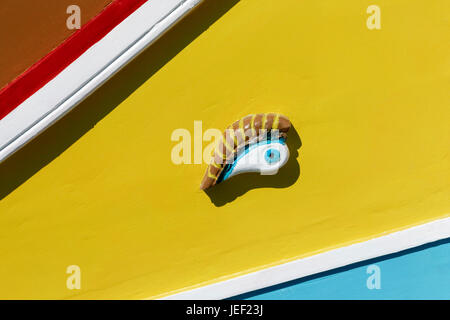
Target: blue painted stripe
{"points": [[418, 273]]}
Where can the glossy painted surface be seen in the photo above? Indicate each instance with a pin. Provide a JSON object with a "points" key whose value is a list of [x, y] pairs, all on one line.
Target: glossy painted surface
{"points": [[421, 273], [99, 189]]}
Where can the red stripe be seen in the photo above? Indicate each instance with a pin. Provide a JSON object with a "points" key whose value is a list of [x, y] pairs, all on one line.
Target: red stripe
{"points": [[57, 60]]}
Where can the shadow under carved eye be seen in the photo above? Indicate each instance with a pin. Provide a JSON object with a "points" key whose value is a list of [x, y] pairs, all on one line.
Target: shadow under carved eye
{"points": [[227, 189]]}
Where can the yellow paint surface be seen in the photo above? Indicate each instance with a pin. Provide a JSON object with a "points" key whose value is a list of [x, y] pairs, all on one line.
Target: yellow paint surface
{"points": [[371, 108]]}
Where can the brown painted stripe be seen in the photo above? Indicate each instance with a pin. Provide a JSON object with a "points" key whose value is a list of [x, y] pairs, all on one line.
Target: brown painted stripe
{"points": [[29, 29]]}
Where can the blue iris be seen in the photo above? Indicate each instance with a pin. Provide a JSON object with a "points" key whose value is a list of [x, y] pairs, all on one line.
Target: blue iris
{"points": [[272, 155]]}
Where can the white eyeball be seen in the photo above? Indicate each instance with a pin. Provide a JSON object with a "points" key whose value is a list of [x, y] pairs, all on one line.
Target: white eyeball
{"points": [[266, 157]]}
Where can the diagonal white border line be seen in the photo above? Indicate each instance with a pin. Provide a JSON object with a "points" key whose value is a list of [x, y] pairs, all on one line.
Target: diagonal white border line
{"points": [[377, 247], [89, 71]]}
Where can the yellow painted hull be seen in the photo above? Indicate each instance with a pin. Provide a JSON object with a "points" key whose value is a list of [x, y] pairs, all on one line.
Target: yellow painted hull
{"points": [[371, 108]]}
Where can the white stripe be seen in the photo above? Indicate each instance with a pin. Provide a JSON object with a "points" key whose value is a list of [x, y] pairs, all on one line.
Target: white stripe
{"points": [[89, 71], [387, 244]]}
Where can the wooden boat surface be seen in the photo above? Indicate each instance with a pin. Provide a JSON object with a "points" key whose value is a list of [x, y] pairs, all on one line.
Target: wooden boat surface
{"points": [[98, 189]]}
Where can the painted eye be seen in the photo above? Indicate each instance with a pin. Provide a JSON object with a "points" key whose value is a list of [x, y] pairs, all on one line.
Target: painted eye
{"points": [[272, 156], [265, 157], [255, 143]]}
